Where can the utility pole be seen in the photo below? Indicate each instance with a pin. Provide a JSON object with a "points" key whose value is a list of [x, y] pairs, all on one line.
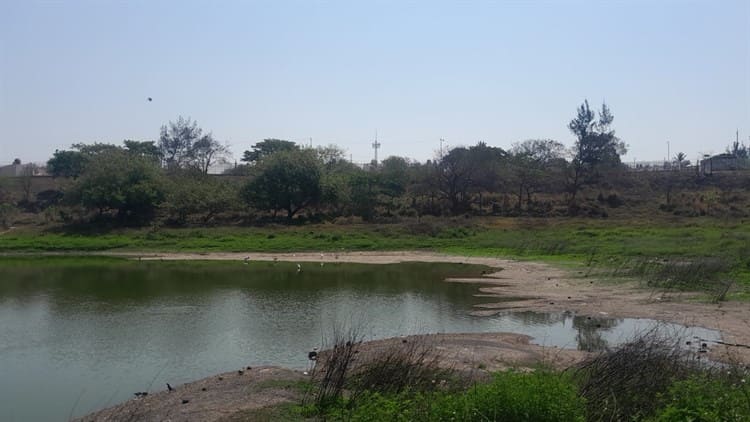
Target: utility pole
{"points": [[441, 147]]}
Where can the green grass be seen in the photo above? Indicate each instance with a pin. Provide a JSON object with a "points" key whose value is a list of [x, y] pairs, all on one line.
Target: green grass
{"points": [[598, 243], [511, 396]]}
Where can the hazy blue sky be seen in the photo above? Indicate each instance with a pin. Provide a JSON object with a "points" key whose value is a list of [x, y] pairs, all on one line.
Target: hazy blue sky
{"points": [[500, 72]]}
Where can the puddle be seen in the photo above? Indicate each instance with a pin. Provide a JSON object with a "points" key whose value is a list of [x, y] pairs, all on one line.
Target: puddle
{"points": [[592, 333]]}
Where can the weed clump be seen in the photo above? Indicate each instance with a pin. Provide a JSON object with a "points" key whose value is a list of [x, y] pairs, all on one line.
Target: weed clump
{"points": [[653, 378]]}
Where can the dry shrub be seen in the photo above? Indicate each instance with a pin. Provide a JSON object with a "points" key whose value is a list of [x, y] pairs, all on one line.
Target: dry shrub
{"points": [[401, 365], [333, 365], [347, 371], [623, 384]]}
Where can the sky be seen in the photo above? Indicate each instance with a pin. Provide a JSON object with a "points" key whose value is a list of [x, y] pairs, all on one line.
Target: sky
{"points": [[676, 74]]}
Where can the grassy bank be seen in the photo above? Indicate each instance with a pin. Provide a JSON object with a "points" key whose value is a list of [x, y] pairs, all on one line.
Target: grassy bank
{"points": [[596, 243]]}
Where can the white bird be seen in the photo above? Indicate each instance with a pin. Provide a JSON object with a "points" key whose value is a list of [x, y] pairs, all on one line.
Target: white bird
{"points": [[299, 268]]}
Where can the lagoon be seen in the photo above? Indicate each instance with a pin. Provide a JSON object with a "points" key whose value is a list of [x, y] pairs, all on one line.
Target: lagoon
{"points": [[79, 334]]}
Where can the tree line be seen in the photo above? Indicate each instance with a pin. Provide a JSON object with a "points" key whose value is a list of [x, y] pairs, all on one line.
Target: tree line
{"points": [[168, 179]]}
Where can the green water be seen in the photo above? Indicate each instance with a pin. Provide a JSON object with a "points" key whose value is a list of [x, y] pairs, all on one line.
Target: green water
{"points": [[77, 334]]}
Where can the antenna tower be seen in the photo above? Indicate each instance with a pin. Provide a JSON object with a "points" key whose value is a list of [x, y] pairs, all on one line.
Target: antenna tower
{"points": [[375, 146]]}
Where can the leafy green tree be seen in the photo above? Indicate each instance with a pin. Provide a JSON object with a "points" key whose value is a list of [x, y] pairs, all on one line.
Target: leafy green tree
{"points": [[66, 164], [130, 185], [393, 178], [194, 194], [266, 148], [465, 171], [287, 180], [145, 149], [364, 194]]}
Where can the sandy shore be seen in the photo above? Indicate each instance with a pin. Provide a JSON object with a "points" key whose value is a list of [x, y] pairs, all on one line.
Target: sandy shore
{"points": [[531, 286]]}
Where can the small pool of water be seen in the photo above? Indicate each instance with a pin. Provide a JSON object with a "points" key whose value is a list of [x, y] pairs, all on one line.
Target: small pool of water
{"points": [[83, 334]]}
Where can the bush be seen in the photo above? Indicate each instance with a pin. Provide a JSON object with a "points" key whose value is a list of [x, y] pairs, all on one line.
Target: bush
{"points": [[702, 398], [624, 384], [515, 396]]}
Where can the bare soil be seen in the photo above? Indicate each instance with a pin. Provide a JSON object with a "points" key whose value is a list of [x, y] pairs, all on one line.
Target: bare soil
{"points": [[516, 286]]}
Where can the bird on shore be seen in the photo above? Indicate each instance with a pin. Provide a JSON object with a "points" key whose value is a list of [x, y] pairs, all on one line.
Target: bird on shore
{"points": [[170, 388], [299, 268], [313, 355], [247, 260]]}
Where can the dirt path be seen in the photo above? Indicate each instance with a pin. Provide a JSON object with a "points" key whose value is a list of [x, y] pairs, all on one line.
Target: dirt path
{"points": [[542, 287]]}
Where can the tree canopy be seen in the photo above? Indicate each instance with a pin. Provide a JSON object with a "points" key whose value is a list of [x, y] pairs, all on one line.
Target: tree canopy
{"points": [[266, 148], [287, 180]]}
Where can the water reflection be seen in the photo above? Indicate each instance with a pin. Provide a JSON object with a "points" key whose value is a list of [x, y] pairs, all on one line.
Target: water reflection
{"points": [[103, 329]]}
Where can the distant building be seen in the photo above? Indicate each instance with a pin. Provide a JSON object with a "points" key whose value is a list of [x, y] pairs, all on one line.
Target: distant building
{"points": [[722, 162], [17, 170]]}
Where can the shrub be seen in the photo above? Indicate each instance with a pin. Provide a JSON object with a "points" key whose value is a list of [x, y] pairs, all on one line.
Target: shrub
{"points": [[515, 396], [624, 384], [702, 398]]}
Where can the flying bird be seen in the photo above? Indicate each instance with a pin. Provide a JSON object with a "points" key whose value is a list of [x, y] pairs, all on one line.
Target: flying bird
{"points": [[150, 99]]}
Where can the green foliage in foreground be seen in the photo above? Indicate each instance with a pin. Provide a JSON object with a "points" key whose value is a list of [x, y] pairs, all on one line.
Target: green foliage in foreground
{"points": [[543, 396], [511, 396], [706, 400]]}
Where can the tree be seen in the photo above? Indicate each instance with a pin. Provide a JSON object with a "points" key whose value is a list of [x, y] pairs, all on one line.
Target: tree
{"points": [[194, 193], [266, 148], [465, 171], [681, 161], [532, 165], [71, 163], [393, 173], [17, 162], [596, 146], [117, 181], [739, 150], [207, 151], [287, 180], [176, 142], [145, 149], [364, 194], [66, 164]]}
